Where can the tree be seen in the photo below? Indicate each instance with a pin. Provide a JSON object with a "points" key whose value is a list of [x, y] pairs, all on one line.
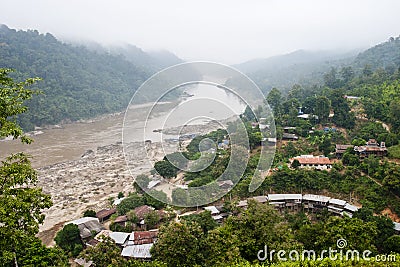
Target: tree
{"points": [[166, 169], [129, 203], [180, 196], [295, 164], [394, 115], [156, 199], [69, 239], [34, 253], [204, 219], [331, 80], [180, 244], [104, 254], [392, 244], [347, 74], [151, 219], [274, 100], [343, 115], [259, 225], [326, 146], [21, 202], [322, 108], [89, 213]]}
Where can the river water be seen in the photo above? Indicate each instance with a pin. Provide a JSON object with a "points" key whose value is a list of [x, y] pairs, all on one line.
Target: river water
{"points": [[69, 142]]}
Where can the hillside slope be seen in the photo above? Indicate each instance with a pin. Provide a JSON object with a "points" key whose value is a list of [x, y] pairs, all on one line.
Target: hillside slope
{"points": [[78, 82]]}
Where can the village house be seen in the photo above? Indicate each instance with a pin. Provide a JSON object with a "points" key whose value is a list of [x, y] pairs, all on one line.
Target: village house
{"points": [[371, 148], [121, 220], [312, 162], [341, 149], [105, 214], [315, 202], [87, 226], [139, 244], [336, 206], [290, 201]]}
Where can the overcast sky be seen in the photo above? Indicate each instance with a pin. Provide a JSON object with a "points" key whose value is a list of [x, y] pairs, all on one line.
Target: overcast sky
{"points": [[216, 30]]}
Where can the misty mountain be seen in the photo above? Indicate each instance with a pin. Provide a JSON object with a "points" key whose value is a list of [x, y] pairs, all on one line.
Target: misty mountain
{"points": [[78, 82], [301, 67], [384, 55], [153, 61]]}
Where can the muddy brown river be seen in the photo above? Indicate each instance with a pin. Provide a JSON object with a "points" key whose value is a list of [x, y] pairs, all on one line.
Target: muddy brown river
{"points": [[72, 140]]}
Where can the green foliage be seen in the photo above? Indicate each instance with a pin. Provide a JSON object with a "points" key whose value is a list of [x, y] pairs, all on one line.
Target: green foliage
{"points": [[295, 164], [89, 213], [392, 244], [129, 203], [322, 235], [21, 202], [104, 254], [34, 253], [166, 169], [156, 199], [69, 239], [258, 225], [78, 83], [322, 108], [204, 219], [180, 244], [13, 96], [151, 219], [141, 182], [343, 116], [394, 152], [350, 159], [274, 99]]}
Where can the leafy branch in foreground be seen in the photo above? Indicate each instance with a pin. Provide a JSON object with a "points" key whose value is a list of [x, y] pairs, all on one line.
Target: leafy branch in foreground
{"points": [[21, 202]]}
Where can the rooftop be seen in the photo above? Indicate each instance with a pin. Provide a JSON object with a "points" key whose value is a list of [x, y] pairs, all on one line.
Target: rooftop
{"points": [[105, 213], [310, 159], [213, 209], [278, 197], [338, 202], [316, 198], [137, 251]]}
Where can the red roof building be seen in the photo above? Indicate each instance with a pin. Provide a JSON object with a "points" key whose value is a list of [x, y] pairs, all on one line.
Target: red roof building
{"points": [[313, 162]]}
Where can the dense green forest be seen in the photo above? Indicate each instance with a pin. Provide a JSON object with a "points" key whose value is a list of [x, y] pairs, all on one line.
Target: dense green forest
{"points": [[77, 82]]}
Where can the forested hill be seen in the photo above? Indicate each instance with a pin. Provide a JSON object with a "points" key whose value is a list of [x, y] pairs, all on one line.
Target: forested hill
{"points": [[77, 83], [307, 68], [300, 67], [385, 55]]}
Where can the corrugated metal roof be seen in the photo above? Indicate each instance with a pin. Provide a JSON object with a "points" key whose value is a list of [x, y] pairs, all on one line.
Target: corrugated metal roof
{"points": [[213, 209], [83, 220], [336, 201], [335, 208], [217, 217], [119, 237], [396, 226], [316, 198], [105, 212], [350, 207], [137, 251], [280, 197]]}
